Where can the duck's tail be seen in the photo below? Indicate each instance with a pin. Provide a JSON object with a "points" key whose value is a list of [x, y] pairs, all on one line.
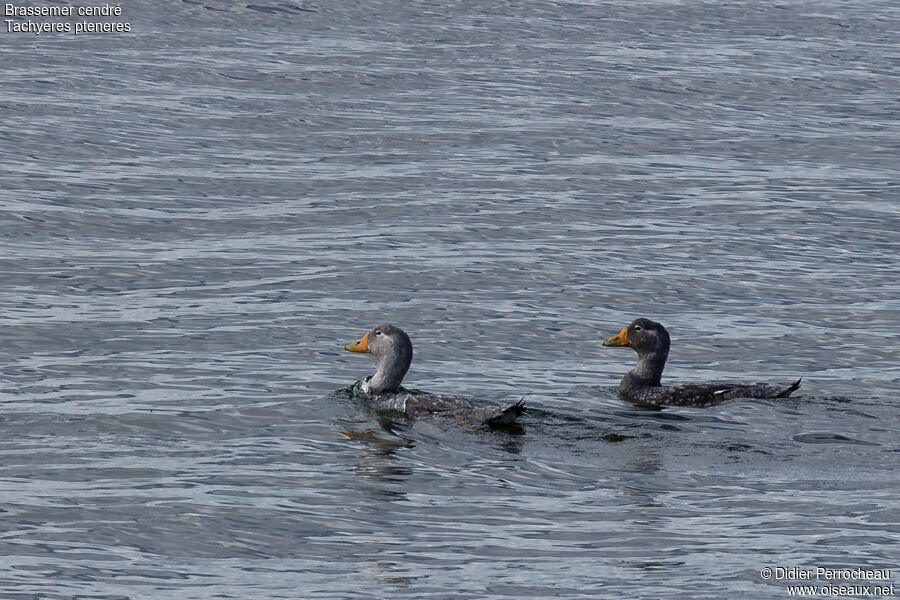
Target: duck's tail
{"points": [[790, 389], [508, 415]]}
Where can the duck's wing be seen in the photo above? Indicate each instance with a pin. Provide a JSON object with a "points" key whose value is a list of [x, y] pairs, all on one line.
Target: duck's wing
{"points": [[698, 394]]}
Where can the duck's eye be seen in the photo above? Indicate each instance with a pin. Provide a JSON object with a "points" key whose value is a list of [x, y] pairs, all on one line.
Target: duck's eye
{"points": [[377, 332], [637, 327]]}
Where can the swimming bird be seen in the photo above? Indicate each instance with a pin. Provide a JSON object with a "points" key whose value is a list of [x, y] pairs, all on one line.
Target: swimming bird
{"points": [[643, 385], [394, 351]]}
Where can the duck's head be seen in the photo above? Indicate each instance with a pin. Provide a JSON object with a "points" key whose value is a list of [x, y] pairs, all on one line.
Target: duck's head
{"points": [[393, 349], [381, 341], [645, 336]]}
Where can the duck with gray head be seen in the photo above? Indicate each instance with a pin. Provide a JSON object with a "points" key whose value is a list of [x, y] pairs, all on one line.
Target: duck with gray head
{"points": [[393, 349], [643, 384]]}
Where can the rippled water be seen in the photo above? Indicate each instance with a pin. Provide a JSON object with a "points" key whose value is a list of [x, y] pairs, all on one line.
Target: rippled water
{"points": [[198, 215]]}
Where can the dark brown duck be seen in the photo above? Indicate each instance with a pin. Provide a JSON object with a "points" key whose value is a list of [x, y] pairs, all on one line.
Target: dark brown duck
{"points": [[643, 384], [394, 351]]}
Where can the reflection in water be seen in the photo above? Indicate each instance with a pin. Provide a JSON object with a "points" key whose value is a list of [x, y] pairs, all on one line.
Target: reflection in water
{"points": [[395, 574], [513, 442], [830, 438], [379, 461]]}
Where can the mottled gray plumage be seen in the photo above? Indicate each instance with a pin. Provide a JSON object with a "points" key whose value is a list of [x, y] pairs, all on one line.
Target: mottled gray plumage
{"points": [[393, 349], [643, 384]]}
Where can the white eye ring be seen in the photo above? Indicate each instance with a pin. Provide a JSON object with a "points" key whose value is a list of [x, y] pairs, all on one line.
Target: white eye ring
{"points": [[637, 327], [377, 332]]}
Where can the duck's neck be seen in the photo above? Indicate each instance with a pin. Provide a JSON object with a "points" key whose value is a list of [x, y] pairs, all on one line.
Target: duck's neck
{"points": [[649, 369], [391, 370]]}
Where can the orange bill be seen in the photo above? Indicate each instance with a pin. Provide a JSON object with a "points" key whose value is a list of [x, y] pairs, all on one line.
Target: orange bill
{"points": [[359, 345], [620, 339]]}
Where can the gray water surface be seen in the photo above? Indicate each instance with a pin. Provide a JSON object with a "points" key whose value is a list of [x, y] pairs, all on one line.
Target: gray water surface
{"points": [[197, 215]]}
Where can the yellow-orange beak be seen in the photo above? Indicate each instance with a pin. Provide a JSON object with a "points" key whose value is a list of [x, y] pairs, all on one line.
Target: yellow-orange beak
{"points": [[359, 345], [620, 339]]}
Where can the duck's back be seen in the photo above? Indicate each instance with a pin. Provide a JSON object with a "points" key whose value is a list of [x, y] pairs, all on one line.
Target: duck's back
{"points": [[415, 405], [704, 394]]}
